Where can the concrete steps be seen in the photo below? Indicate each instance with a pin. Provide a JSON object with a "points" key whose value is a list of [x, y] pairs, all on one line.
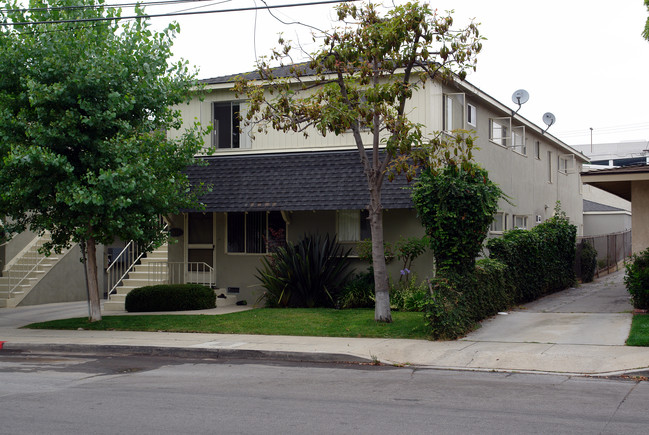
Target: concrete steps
{"points": [[139, 276], [25, 271]]}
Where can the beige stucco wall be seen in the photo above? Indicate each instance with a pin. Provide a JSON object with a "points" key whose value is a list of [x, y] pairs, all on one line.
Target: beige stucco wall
{"points": [[640, 210], [66, 281], [238, 270], [596, 224]]}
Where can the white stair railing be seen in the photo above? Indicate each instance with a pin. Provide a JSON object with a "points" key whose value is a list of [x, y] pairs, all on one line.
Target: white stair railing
{"points": [[195, 272], [121, 265], [26, 267]]}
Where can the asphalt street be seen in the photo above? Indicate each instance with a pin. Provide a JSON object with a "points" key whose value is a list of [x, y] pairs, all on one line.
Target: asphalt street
{"points": [[54, 394]]}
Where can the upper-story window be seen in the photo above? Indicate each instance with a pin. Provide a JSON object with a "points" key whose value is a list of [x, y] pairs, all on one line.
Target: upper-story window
{"points": [[226, 122], [519, 141], [471, 115], [453, 111], [500, 130], [566, 163], [537, 149]]}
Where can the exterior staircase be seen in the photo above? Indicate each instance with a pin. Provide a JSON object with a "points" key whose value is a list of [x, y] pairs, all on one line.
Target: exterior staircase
{"points": [[26, 270], [150, 270]]}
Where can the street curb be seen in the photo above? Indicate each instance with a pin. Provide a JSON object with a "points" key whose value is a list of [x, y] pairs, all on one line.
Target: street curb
{"points": [[182, 352]]}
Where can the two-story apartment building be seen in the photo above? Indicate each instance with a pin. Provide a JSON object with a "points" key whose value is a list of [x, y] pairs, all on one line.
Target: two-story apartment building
{"points": [[282, 185]]}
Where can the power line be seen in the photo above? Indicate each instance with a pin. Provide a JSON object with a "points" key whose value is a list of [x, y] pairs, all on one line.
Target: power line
{"points": [[103, 5], [172, 14]]}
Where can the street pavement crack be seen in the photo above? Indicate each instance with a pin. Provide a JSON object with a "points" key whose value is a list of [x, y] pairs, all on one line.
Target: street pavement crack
{"points": [[619, 405]]}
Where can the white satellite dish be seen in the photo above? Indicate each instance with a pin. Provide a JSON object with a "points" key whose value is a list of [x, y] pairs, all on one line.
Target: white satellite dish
{"points": [[520, 97], [548, 119]]}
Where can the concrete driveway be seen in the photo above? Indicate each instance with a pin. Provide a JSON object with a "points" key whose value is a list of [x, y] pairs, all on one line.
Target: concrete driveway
{"points": [[597, 313]]}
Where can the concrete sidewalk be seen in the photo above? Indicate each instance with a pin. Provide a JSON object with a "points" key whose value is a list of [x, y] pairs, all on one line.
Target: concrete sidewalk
{"points": [[578, 331]]}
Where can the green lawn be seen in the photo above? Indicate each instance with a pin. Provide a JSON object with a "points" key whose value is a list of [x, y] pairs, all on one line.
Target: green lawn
{"points": [[266, 321], [639, 335]]}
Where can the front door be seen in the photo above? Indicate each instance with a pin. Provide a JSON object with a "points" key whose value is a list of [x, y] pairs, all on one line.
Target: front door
{"points": [[200, 248]]}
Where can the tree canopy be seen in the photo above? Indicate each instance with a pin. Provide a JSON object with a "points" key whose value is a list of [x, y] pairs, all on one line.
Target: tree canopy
{"points": [[84, 110], [359, 82]]}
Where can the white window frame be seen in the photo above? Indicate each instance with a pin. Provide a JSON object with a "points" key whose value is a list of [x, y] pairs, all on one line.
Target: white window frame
{"points": [[348, 225], [265, 236], [242, 134], [471, 115], [451, 112], [567, 163], [523, 221], [537, 149], [550, 174], [503, 138], [503, 220], [519, 140]]}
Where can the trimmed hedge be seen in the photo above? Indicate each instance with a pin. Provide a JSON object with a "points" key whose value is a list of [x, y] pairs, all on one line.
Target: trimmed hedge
{"points": [[170, 297], [460, 301], [588, 261], [637, 279], [540, 260]]}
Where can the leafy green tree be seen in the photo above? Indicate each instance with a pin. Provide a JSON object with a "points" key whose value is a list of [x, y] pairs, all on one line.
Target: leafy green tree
{"points": [[456, 205], [84, 107], [645, 33], [359, 81]]}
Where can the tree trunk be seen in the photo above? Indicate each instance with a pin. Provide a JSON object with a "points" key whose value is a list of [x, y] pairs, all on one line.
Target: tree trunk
{"points": [[93, 286], [381, 288]]}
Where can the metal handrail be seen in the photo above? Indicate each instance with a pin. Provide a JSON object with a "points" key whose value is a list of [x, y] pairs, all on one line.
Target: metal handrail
{"points": [[123, 264], [196, 272], [22, 275]]}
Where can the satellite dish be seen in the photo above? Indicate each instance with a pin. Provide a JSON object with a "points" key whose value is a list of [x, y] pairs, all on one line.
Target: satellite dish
{"points": [[521, 96], [548, 119]]}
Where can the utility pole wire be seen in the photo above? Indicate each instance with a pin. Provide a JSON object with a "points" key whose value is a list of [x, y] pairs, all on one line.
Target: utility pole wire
{"points": [[254, 8], [103, 5]]}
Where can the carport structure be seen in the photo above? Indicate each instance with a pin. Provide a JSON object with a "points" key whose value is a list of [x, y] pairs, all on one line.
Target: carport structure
{"points": [[632, 184]]}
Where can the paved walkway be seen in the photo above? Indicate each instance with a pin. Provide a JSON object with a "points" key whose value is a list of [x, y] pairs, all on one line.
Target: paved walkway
{"points": [[577, 331]]}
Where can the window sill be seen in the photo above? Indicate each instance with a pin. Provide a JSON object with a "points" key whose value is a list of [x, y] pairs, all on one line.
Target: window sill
{"points": [[497, 144]]}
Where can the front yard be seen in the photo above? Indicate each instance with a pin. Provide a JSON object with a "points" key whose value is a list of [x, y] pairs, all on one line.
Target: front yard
{"points": [[319, 322]]}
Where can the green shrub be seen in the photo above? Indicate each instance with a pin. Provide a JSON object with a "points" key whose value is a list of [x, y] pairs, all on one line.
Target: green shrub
{"points": [[170, 297], [494, 290], [409, 295], [637, 279], [456, 206], [460, 301], [588, 261], [308, 274], [446, 313], [359, 291], [540, 260]]}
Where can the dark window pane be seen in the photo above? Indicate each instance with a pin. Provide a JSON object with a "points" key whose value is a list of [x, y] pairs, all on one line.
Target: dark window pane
{"points": [[200, 256], [366, 231], [200, 228], [276, 231], [255, 232], [236, 232], [235, 126], [222, 125]]}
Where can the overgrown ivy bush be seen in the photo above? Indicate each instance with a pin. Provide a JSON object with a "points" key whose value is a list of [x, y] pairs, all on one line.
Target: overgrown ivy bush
{"points": [[460, 301], [588, 261], [308, 274], [637, 279], [456, 206], [170, 297], [540, 260]]}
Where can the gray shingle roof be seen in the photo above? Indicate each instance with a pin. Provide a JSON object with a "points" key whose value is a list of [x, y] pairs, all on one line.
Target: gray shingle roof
{"points": [[596, 206], [327, 180]]}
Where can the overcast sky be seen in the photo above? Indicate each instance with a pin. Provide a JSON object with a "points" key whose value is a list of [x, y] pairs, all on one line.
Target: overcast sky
{"points": [[583, 60]]}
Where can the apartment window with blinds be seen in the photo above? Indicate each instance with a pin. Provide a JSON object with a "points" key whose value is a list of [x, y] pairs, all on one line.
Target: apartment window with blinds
{"points": [[255, 232], [353, 226]]}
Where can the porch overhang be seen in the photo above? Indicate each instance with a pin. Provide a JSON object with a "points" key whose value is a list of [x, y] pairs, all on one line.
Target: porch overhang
{"points": [[292, 181]]}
